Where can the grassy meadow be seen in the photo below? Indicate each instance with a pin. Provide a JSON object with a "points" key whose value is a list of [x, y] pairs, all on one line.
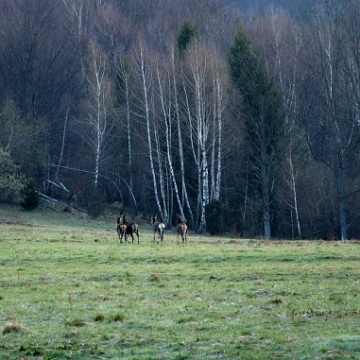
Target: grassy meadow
{"points": [[70, 290]]}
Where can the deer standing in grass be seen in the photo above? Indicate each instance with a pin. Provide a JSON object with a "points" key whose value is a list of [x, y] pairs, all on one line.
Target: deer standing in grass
{"points": [[121, 230], [158, 227], [131, 229], [182, 228]]}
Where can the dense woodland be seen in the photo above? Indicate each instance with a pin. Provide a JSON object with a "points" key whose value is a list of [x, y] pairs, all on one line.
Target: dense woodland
{"points": [[241, 119]]}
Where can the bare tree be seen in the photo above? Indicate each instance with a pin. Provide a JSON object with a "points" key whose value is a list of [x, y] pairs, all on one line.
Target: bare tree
{"points": [[204, 101], [124, 74], [95, 124], [144, 71], [176, 105], [280, 42], [332, 45], [198, 122]]}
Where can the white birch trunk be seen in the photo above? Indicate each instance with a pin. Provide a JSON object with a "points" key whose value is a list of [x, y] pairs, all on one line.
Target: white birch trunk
{"points": [[219, 112], [288, 92], [97, 103], [198, 72], [294, 195], [166, 111], [125, 75], [184, 194], [145, 86]]}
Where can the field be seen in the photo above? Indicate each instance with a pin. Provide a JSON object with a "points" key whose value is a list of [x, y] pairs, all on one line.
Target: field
{"points": [[69, 290]]}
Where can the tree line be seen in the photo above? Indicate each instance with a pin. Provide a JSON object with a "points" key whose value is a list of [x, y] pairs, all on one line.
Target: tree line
{"points": [[239, 122]]}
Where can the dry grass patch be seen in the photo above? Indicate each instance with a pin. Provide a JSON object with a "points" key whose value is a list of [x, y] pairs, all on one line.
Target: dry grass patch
{"points": [[79, 323], [13, 328]]}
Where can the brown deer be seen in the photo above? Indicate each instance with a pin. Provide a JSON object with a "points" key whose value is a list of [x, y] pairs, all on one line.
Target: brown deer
{"points": [[158, 227], [182, 228], [121, 230], [131, 229]]}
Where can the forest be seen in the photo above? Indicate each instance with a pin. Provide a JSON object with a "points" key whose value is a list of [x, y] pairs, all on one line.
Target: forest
{"points": [[242, 119]]}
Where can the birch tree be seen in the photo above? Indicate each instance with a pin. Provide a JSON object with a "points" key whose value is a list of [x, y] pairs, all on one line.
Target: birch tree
{"points": [[166, 101], [124, 75], [95, 125], [219, 83], [78, 13], [176, 104], [145, 101], [198, 118]]}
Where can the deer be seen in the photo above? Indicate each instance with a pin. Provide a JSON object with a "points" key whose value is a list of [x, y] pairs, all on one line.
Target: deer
{"points": [[182, 228], [131, 229], [121, 230], [158, 227]]}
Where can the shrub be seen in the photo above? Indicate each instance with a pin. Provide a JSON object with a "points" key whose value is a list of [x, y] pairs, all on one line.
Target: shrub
{"points": [[213, 215], [31, 196], [11, 181], [95, 205]]}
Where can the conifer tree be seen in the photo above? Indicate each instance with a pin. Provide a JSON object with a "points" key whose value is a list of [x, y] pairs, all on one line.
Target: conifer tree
{"points": [[264, 120], [187, 34]]}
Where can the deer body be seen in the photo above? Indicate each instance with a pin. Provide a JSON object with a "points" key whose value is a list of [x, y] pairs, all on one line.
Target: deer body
{"points": [[182, 229], [158, 227], [121, 230], [131, 229], [124, 228]]}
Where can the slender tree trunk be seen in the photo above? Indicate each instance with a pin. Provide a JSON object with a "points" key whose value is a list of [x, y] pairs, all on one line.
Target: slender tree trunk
{"points": [[126, 77], [265, 188], [202, 132], [97, 104], [62, 146], [166, 111], [184, 194], [145, 85], [219, 138], [294, 195], [340, 177], [163, 183]]}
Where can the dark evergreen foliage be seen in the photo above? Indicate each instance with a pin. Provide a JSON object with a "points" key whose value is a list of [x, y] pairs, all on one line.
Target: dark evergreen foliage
{"points": [[31, 196], [188, 33], [264, 119], [214, 217]]}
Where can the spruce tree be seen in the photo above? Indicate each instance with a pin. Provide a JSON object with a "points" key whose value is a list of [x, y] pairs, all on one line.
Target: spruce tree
{"points": [[264, 120], [187, 34]]}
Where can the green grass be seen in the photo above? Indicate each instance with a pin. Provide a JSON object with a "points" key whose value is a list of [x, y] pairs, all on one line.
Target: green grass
{"points": [[74, 292]]}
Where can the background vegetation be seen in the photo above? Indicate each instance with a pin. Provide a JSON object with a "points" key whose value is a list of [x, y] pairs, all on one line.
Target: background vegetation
{"points": [[165, 107]]}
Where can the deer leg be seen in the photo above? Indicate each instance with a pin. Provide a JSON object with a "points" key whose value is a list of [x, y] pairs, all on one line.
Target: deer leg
{"points": [[119, 235]]}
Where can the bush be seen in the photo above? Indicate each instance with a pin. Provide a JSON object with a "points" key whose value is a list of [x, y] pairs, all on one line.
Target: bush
{"points": [[95, 205], [213, 215], [11, 181], [31, 196]]}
